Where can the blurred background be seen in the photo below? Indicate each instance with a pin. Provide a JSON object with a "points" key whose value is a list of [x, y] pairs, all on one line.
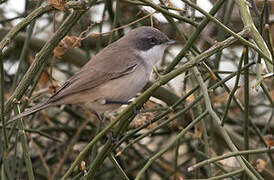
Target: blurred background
{"points": [[54, 137]]}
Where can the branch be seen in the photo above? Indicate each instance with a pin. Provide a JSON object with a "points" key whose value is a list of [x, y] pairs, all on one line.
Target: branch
{"points": [[248, 22]]}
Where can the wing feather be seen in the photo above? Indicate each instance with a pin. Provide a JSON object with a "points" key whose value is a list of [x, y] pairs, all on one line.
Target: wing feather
{"points": [[97, 71]]}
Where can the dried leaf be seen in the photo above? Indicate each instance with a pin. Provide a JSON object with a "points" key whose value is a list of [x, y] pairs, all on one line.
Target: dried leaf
{"points": [[172, 124], [6, 153], [197, 131], [269, 140], [58, 4], [144, 118], [83, 166], [44, 80], [7, 96], [150, 105], [149, 117], [93, 35], [178, 176], [220, 98], [230, 162], [137, 123], [190, 99], [67, 43], [53, 87], [212, 75], [118, 153], [260, 165], [272, 94], [31, 59], [170, 4]]}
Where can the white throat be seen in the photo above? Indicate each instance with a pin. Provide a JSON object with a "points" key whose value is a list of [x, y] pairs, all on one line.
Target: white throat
{"points": [[153, 55]]}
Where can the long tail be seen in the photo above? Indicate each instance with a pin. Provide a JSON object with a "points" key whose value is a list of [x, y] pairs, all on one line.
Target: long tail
{"points": [[31, 110]]}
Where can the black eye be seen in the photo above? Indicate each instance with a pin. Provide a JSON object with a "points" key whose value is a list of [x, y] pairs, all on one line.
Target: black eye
{"points": [[152, 41]]}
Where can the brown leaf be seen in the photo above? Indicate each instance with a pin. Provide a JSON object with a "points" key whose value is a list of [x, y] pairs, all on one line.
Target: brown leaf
{"points": [[220, 98], [7, 96], [67, 43], [190, 99], [197, 131], [260, 165], [118, 153], [271, 94], [170, 4], [83, 166], [58, 4], [53, 87], [31, 59], [6, 153], [44, 80], [149, 117], [93, 35], [137, 123], [144, 118], [150, 105], [212, 75], [269, 140], [230, 162]]}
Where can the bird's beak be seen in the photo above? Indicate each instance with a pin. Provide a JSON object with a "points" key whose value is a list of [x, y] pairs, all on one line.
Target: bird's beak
{"points": [[171, 41]]}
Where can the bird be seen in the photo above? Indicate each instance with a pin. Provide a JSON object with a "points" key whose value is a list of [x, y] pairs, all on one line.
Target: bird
{"points": [[114, 75]]}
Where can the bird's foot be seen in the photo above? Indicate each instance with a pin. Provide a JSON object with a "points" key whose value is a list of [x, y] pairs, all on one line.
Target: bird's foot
{"points": [[110, 136], [135, 109]]}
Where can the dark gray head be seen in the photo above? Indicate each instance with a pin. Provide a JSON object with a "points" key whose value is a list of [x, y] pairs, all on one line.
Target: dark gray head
{"points": [[145, 38]]}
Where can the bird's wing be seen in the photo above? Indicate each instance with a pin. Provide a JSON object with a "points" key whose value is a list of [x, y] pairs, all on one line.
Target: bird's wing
{"points": [[96, 72]]}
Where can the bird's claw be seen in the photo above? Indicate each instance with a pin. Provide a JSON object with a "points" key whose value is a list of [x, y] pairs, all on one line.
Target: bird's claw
{"points": [[111, 137]]}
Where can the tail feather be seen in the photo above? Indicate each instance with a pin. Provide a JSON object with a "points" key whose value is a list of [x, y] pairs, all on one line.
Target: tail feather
{"points": [[31, 110]]}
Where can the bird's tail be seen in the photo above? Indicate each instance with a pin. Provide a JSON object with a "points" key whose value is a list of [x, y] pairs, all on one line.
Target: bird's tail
{"points": [[31, 110]]}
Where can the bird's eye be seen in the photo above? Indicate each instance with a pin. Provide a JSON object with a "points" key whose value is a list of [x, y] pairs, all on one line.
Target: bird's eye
{"points": [[152, 41]]}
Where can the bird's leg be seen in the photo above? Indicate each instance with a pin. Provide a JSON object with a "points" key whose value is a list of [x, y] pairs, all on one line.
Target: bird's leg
{"points": [[116, 102], [155, 70], [101, 117], [90, 113], [135, 109]]}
